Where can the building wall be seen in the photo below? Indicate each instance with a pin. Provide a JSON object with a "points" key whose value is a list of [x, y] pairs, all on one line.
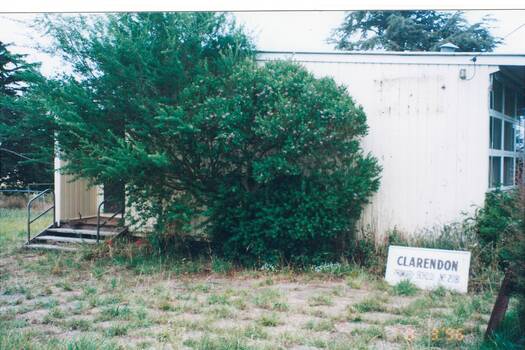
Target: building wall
{"points": [[430, 132], [74, 197]]}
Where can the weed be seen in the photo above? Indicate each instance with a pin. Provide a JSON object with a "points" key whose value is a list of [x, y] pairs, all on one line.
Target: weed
{"points": [[166, 305], [254, 332], [320, 299], [78, 324], [113, 283], [115, 311], [218, 299], [220, 311], [217, 343], [221, 266], [356, 278], [405, 288], [117, 330], [200, 287], [269, 320], [370, 305], [320, 326], [270, 299], [334, 269]]}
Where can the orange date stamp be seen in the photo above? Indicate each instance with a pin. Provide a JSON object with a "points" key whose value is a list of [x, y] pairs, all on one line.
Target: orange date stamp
{"points": [[448, 333]]}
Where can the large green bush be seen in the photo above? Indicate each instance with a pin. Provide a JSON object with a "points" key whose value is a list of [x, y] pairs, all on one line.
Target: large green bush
{"points": [[301, 178], [265, 157], [500, 225], [498, 216]]}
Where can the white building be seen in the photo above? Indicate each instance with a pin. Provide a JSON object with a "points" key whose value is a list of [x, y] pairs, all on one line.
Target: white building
{"points": [[443, 125]]}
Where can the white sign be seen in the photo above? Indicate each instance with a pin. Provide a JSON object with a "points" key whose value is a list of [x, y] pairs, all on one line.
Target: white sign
{"points": [[428, 268]]}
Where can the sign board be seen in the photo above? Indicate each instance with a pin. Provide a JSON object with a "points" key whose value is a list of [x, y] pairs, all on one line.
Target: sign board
{"points": [[428, 268]]}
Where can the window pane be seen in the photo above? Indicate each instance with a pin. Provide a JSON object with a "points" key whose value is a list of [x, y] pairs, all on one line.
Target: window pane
{"points": [[510, 102], [495, 171], [497, 90], [495, 141], [519, 171], [521, 105], [509, 137], [508, 171]]}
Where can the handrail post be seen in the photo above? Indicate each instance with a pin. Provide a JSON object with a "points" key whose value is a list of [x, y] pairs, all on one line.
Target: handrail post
{"points": [[98, 220], [28, 221], [54, 209]]}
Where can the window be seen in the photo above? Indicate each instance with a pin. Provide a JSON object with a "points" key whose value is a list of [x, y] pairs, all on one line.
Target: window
{"points": [[508, 171], [510, 102], [506, 133], [497, 93], [495, 133], [495, 171], [509, 137]]}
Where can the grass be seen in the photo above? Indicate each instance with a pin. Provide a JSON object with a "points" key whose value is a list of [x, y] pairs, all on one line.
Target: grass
{"points": [[374, 304], [127, 299], [13, 227], [405, 288]]}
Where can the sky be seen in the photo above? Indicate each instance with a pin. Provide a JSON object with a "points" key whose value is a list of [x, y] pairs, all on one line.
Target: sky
{"points": [[274, 30]]}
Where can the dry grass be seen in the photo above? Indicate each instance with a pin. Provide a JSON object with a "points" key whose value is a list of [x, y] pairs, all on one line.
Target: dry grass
{"points": [[68, 301]]}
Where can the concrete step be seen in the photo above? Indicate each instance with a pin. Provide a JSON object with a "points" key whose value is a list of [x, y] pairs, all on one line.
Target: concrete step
{"points": [[82, 232], [66, 239], [51, 247]]}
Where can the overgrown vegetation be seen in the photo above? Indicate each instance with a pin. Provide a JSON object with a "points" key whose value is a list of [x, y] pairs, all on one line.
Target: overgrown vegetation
{"points": [[120, 296], [89, 292], [265, 159]]}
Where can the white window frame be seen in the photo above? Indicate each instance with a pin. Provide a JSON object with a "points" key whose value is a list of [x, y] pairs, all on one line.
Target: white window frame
{"points": [[502, 153]]}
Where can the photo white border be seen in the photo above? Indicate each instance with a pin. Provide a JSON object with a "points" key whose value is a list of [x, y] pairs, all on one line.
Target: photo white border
{"points": [[33, 6]]}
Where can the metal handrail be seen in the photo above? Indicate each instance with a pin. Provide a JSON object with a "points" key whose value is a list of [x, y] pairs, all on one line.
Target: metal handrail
{"points": [[99, 226], [29, 221]]}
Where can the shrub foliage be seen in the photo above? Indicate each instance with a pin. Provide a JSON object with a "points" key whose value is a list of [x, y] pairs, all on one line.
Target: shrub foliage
{"points": [[264, 156]]}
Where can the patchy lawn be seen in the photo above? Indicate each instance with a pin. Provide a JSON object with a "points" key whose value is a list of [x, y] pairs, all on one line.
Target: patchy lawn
{"points": [[78, 301]]}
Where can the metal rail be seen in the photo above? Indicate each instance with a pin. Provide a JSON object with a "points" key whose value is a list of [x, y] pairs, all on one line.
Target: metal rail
{"points": [[99, 226], [29, 220]]}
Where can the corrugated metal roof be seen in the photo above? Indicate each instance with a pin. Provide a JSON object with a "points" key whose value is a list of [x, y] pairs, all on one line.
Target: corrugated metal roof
{"points": [[392, 57]]}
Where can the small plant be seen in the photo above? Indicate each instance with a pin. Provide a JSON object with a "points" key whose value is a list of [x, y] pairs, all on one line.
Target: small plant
{"points": [[254, 332], [78, 325], [220, 311], [270, 299], [269, 320], [218, 299], [221, 266], [335, 269], [321, 299], [319, 326], [117, 330], [370, 305], [357, 277], [439, 292], [405, 288], [352, 314], [166, 305], [89, 290], [115, 311]]}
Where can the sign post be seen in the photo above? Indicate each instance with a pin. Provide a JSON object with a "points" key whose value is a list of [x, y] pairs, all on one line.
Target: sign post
{"points": [[428, 268], [501, 305]]}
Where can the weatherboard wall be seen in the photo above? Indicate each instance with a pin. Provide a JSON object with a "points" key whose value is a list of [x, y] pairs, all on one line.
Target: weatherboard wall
{"points": [[74, 197]]}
